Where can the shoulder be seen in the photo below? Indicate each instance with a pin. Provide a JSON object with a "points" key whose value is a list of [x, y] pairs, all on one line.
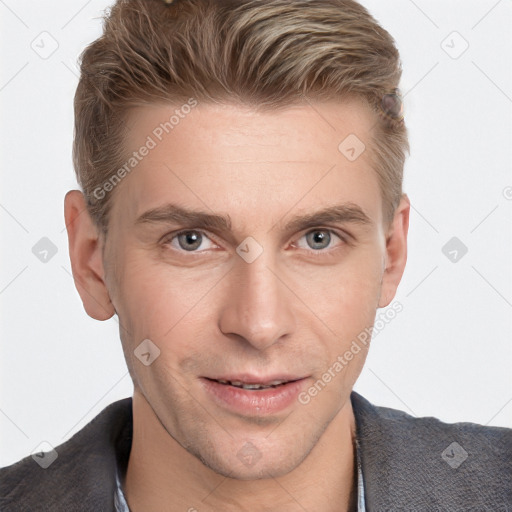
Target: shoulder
{"points": [[447, 466], [82, 477], [374, 419]]}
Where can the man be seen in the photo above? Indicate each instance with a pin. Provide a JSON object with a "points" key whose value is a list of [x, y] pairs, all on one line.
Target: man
{"points": [[242, 214]]}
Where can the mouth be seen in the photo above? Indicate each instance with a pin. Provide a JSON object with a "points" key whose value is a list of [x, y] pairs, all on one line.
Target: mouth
{"points": [[249, 395]]}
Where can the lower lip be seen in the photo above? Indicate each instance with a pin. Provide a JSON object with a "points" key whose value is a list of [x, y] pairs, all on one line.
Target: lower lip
{"points": [[262, 402]]}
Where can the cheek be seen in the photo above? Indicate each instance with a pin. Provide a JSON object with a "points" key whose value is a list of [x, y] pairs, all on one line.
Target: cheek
{"points": [[346, 296], [347, 307], [156, 300]]}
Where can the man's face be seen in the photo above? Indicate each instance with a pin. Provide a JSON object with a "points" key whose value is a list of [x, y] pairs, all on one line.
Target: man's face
{"points": [[277, 291]]}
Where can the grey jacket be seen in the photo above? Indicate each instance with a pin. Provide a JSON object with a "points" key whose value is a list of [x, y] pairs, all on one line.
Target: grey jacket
{"points": [[409, 464]]}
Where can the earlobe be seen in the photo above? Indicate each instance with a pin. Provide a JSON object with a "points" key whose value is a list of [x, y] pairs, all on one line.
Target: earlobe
{"points": [[396, 252], [85, 253]]}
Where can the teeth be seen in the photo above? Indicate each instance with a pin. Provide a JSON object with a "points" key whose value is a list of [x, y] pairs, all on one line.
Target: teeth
{"points": [[254, 386], [276, 382], [243, 385]]}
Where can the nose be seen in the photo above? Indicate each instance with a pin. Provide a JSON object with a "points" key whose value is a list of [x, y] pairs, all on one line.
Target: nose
{"points": [[259, 305]]}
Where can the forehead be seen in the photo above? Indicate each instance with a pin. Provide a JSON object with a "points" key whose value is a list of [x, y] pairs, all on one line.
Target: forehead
{"points": [[241, 133], [217, 156]]}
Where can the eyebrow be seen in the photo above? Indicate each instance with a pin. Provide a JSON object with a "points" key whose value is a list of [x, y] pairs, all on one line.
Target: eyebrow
{"points": [[347, 213], [174, 214]]}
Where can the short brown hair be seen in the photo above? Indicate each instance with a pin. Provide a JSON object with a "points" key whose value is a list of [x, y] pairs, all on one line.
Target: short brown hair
{"points": [[264, 53]]}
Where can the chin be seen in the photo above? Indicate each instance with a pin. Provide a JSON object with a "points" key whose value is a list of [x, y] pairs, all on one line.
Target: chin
{"points": [[249, 464]]}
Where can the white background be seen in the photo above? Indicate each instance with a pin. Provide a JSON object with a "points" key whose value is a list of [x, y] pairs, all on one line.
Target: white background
{"points": [[447, 354]]}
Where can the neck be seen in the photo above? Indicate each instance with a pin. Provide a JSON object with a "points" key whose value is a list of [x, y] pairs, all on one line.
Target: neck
{"points": [[162, 476]]}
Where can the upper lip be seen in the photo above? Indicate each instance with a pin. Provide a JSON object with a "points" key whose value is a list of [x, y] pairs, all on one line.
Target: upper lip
{"points": [[247, 378]]}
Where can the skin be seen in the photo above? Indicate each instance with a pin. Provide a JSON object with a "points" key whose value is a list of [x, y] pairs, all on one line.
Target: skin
{"points": [[295, 308]]}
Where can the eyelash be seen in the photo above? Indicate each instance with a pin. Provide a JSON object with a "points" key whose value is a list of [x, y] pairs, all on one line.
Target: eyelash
{"points": [[319, 252]]}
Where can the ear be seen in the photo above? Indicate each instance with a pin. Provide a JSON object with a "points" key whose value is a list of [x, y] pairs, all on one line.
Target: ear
{"points": [[396, 252], [85, 253]]}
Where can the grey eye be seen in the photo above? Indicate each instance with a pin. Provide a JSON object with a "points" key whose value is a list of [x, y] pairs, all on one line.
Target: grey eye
{"points": [[190, 240], [319, 239]]}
